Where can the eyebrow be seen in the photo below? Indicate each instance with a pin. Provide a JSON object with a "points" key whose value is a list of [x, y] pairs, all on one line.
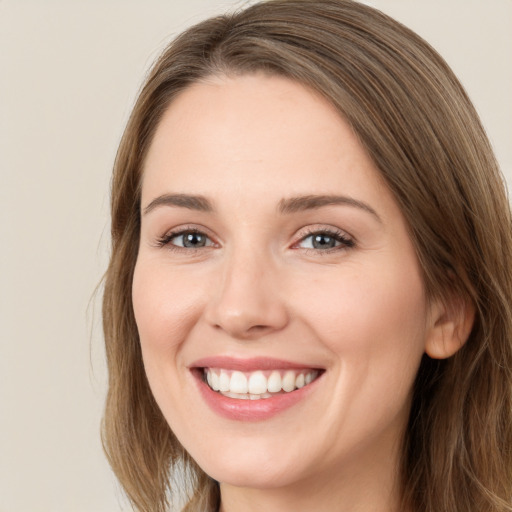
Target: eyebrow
{"points": [[285, 206], [191, 202], [311, 202]]}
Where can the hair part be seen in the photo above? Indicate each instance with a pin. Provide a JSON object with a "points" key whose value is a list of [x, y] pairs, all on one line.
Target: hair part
{"points": [[417, 124]]}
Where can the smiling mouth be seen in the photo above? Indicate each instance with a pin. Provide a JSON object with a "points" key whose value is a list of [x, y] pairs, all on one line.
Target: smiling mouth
{"points": [[259, 384]]}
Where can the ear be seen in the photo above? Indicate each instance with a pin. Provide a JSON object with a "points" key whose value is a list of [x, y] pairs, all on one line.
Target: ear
{"points": [[450, 324]]}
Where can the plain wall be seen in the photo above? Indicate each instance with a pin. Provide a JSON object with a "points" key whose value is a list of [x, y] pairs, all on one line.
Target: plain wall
{"points": [[69, 73]]}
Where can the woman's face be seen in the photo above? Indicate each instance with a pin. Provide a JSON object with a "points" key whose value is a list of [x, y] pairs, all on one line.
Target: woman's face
{"points": [[273, 256]]}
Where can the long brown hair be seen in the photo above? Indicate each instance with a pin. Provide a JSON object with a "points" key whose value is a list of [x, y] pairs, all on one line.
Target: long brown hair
{"points": [[419, 127]]}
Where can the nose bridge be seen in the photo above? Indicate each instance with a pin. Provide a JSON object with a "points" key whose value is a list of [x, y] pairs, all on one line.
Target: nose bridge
{"points": [[247, 303]]}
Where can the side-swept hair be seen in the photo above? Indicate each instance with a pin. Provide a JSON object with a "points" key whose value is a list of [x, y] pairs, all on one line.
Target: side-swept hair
{"points": [[417, 124]]}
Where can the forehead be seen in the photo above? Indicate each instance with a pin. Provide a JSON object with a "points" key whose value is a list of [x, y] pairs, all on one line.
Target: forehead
{"points": [[256, 134]]}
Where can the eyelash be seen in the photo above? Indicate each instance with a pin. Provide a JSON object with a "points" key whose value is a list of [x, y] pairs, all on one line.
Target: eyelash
{"points": [[345, 242], [165, 241]]}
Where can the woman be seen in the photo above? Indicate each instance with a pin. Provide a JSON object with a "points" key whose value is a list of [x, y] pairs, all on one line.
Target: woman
{"points": [[308, 300]]}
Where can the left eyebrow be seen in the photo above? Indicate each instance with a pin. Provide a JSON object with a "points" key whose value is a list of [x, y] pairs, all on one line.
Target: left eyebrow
{"points": [[311, 202], [192, 202]]}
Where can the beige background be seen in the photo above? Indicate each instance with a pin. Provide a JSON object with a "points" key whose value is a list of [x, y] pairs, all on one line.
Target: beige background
{"points": [[69, 72]]}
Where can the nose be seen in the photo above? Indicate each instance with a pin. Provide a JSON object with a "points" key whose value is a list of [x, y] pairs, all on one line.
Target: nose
{"points": [[248, 302]]}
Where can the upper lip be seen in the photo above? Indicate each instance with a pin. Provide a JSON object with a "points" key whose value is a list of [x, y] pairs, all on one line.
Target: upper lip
{"points": [[250, 364]]}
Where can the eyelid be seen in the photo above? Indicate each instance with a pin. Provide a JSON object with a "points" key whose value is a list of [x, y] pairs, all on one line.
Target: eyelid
{"points": [[165, 240], [346, 240]]}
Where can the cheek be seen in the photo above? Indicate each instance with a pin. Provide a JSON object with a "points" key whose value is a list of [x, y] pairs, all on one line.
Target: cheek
{"points": [[373, 323], [165, 307], [372, 319]]}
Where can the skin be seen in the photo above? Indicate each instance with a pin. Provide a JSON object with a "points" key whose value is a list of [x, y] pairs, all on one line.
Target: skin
{"points": [[259, 288]]}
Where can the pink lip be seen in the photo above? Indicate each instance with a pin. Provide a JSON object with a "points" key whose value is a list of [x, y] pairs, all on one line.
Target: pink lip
{"points": [[249, 365], [249, 410]]}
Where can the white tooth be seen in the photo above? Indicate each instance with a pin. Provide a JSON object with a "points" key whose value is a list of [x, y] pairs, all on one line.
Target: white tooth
{"points": [[289, 381], [209, 377], [213, 380], [274, 382], [314, 375], [257, 383], [255, 397], [238, 383], [224, 381], [300, 381], [309, 377], [238, 396]]}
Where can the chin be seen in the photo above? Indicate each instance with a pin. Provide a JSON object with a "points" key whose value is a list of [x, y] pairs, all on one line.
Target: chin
{"points": [[243, 473], [254, 467]]}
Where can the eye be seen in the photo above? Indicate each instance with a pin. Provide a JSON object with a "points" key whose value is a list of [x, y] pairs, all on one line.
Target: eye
{"points": [[325, 240], [186, 239], [191, 239]]}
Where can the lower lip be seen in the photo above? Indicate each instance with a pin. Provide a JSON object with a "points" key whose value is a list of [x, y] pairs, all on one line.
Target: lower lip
{"points": [[251, 410]]}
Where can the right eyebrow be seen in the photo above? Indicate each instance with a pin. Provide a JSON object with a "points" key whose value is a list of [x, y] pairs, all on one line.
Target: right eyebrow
{"points": [[191, 202], [311, 202]]}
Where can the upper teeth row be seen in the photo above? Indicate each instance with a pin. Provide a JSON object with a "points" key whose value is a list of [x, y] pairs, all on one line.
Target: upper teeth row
{"points": [[257, 382]]}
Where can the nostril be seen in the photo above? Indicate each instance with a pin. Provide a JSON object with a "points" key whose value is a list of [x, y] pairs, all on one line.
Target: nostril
{"points": [[257, 330], [246, 317]]}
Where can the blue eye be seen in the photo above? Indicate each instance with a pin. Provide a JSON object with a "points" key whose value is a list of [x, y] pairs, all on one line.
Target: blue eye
{"points": [[187, 239], [192, 239], [326, 240], [317, 240]]}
